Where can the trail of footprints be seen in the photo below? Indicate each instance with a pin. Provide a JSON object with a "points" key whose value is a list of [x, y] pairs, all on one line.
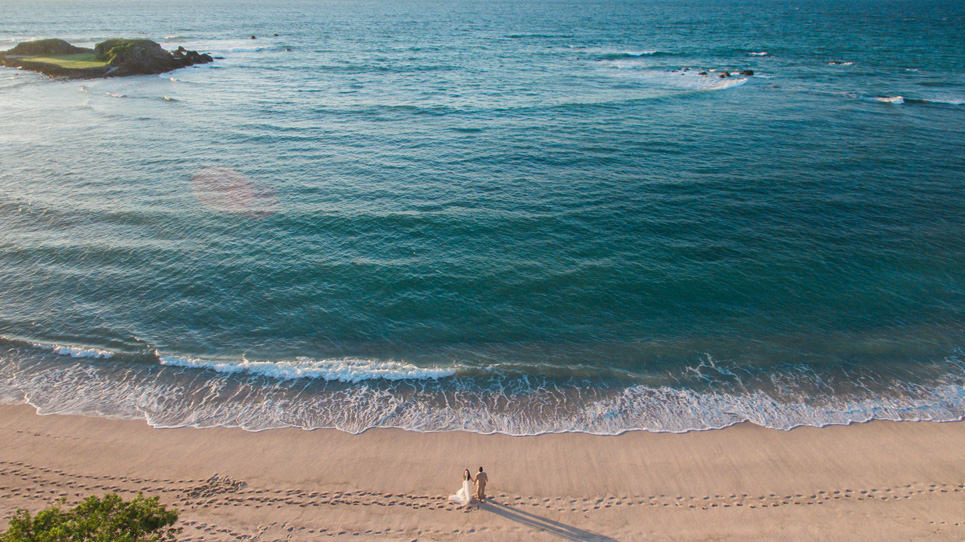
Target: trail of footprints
{"points": [[48, 485]]}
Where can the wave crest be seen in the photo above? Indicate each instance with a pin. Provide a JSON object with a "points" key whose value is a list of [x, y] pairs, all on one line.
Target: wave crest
{"points": [[339, 370], [897, 100], [631, 54], [69, 350], [357, 395]]}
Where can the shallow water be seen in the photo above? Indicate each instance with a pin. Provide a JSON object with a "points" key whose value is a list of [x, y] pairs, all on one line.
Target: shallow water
{"points": [[512, 217]]}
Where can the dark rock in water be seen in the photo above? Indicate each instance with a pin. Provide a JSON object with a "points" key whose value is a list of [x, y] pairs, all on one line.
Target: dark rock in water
{"points": [[747, 72], [114, 57], [703, 73], [129, 57], [724, 74], [252, 36]]}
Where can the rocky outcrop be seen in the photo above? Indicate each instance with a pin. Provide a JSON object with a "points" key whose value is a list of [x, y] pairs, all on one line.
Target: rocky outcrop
{"points": [[51, 47], [116, 57], [133, 57]]}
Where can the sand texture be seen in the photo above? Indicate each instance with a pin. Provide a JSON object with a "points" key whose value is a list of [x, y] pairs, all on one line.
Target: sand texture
{"points": [[875, 481]]}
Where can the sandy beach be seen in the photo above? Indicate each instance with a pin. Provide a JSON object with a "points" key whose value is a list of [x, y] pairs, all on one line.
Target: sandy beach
{"points": [[874, 481]]}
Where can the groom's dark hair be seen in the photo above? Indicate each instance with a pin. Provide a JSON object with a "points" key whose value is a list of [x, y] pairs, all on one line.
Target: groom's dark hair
{"points": [[480, 469]]}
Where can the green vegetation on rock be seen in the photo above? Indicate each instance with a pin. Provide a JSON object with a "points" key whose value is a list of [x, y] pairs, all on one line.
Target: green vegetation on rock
{"points": [[75, 61], [49, 47], [110, 519], [111, 49], [112, 58]]}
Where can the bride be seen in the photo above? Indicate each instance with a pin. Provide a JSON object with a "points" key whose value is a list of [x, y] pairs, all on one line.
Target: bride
{"points": [[464, 495]]}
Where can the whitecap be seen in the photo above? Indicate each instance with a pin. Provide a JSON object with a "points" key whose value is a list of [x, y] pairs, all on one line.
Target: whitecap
{"points": [[355, 395], [75, 351], [948, 100], [897, 100], [625, 54], [341, 370]]}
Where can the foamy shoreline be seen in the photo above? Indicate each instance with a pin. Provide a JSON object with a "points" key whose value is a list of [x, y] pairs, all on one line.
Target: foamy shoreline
{"points": [[880, 480], [355, 394]]}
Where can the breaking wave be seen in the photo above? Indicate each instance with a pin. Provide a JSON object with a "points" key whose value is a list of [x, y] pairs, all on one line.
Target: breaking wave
{"points": [[76, 351], [341, 370], [355, 395], [632, 54], [945, 100], [897, 100]]}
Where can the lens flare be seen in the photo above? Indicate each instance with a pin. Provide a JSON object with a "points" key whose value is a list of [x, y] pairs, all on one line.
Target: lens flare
{"points": [[229, 191]]}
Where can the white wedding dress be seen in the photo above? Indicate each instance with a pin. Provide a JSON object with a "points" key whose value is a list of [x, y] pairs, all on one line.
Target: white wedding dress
{"points": [[464, 495]]}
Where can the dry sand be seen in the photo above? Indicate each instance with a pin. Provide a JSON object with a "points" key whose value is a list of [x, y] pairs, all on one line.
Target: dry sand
{"points": [[874, 481]]}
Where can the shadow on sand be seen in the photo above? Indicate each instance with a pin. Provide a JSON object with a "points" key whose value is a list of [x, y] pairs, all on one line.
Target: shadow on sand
{"points": [[562, 530]]}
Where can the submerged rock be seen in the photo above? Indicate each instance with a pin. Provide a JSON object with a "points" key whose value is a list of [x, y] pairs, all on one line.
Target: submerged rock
{"points": [[114, 57]]}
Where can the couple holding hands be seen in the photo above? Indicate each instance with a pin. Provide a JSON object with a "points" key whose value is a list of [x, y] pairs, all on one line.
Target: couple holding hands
{"points": [[465, 494]]}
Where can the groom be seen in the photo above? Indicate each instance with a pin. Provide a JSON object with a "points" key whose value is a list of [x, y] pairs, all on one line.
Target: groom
{"points": [[481, 479]]}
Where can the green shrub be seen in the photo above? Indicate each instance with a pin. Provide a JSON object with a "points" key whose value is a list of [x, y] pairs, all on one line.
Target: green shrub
{"points": [[110, 519]]}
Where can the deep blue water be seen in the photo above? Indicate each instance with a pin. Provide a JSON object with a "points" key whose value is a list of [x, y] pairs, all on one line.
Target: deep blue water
{"points": [[510, 217]]}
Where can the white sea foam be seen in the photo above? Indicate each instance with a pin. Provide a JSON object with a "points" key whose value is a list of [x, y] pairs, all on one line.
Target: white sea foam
{"points": [[76, 351], [217, 401], [721, 84], [677, 80], [949, 100], [648, 52], [617, 54], [356, 395], [341, 370], [758, 53], [897, 100]]}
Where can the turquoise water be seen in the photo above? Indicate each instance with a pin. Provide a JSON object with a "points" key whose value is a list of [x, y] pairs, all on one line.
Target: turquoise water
{"points": [[514, 217]]}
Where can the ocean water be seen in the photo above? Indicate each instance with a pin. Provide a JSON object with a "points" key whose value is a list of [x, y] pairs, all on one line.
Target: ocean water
{"points": [[516, 217]]}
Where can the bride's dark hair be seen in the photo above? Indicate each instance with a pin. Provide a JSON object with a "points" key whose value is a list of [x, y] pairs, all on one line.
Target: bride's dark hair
{"points": [[466, 475]]}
